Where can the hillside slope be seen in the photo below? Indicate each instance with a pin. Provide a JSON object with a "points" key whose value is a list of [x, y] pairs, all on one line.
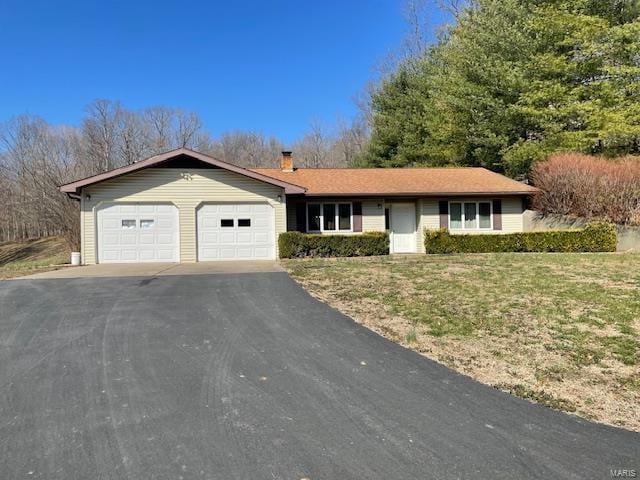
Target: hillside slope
{"points": [[31, 256]]}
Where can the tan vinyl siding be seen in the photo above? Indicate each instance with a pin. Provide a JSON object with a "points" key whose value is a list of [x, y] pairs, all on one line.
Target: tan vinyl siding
{"points": [[83, 236], [185, 188], [420, 220], [430, 214], [512, 213], [372, 216]]}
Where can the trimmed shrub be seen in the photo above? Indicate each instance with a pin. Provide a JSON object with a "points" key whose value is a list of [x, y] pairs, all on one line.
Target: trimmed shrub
{"points": [[296, 245], [595, 237]]}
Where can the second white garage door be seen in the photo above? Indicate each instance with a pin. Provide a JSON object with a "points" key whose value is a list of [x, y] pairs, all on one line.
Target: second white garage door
{"points": [[236, 231]]}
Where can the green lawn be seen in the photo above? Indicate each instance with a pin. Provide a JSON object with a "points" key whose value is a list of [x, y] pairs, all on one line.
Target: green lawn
{"points": [[544, 326]]}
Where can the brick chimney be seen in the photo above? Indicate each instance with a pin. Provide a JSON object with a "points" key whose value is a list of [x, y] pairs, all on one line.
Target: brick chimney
{"points": [[286, 162]]}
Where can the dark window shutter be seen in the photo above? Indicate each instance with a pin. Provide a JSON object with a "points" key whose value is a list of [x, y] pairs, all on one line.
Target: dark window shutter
{"points": [[301, 217], [497, 214], [357, 216], [443, 208]]}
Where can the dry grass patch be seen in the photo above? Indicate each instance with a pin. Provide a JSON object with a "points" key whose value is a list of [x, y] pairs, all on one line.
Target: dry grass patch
{"points": [[558, 329], [32, 256]]}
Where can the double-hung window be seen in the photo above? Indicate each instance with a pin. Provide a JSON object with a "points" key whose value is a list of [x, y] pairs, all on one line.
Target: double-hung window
{"points": [[470, 216], [329, 217]]}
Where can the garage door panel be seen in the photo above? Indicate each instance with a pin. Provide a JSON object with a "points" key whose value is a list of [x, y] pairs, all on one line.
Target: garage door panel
{"points": [[147, 239], [165, 209], [228, 252], [129, 255], [165, 255], [110, 255], [128, 239], [138, 233], [209, 237], [163, 222], [209, 222], [210, 253], [227, 237], [261, 237], [124, 209], [109, 240], [147, 255], [147, 209], [260, 223], [251, 236], [111, 223], [164, 239]]}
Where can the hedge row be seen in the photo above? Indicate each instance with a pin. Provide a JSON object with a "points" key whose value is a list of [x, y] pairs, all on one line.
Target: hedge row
{"points": [[595, 237], [296, 244]]}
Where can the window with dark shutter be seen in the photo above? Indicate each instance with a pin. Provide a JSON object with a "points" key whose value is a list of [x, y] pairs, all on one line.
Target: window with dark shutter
{"points": [[443, 209], [301, 217], [497, 214], [357, 216]]}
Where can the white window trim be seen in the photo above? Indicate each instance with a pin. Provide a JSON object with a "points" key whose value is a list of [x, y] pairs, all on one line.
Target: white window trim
{"points": [[477, 228], [337, 217]]}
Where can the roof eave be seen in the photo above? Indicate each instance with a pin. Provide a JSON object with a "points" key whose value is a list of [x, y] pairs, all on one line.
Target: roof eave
{"points": [[75, 187]]}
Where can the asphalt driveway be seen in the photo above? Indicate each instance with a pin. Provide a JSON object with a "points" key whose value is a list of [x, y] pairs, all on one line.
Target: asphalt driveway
{"points": [[244, 376]]}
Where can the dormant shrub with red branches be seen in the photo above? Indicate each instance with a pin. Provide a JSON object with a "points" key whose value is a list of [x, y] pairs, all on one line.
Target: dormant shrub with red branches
{"points": [[587, 186]]}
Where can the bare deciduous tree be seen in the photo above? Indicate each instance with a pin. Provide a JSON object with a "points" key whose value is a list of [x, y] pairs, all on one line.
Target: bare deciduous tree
{"points": [[35, 157], [247, 149], [100, 133], [340, 147], [313, 149], [158, 121]]}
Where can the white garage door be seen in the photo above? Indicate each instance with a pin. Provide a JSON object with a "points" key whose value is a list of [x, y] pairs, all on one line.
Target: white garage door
{"points": [[133, 233], [236, 231]]}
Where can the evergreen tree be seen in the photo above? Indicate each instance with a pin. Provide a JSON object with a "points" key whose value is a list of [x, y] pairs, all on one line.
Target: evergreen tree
{"points": [[511, 82]]}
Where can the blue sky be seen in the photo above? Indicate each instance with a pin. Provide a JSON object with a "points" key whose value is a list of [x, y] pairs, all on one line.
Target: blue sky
{"points": [[270, 66]]}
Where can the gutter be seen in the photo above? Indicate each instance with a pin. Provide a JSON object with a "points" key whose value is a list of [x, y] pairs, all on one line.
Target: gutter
{"points": [[420, 194]]}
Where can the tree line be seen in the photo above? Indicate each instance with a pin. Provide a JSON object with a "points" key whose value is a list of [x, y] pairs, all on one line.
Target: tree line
{"points": [[36, 157]]}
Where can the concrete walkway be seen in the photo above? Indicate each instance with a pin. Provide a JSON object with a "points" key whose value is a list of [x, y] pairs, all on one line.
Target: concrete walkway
{"points": [[159, 269]]}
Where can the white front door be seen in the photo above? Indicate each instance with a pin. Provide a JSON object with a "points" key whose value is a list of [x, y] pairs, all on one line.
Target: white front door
{"points": [[403, 228], [236, 231], [138, 232]]}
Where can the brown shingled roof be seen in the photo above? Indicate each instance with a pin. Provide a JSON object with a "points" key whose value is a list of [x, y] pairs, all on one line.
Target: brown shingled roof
{"points": [[343, 181], [400, 181]]}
